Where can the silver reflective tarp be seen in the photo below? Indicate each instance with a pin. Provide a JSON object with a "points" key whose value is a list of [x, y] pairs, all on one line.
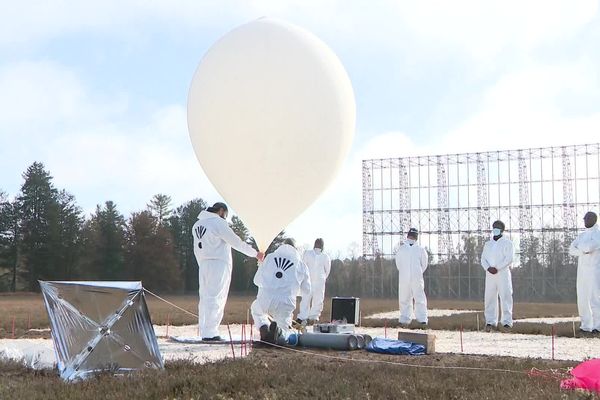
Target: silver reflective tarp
{"points": [[100, 326]]}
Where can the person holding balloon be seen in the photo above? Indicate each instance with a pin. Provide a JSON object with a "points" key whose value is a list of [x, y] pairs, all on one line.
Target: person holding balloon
{"points": [[213, 240]]}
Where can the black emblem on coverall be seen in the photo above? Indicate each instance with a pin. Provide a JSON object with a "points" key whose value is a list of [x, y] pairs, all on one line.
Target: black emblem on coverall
{"points": [[200, 231], [284, 264]]}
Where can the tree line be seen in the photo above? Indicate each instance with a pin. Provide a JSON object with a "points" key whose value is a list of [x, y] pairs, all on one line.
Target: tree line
{"points": [[44, 235]]}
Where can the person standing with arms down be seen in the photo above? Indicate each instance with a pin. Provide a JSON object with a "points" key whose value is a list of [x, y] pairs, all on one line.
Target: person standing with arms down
{"points": [[411, 261], [496, 260], [319, 266], [213, 240], [279, 279], [587, 248]]}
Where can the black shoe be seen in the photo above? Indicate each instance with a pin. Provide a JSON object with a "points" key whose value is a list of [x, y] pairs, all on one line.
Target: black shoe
{"points": [[264, 333], [212, 339], [507, 326], [299, 321], [273, 333], [489, 328], [595, 331]]}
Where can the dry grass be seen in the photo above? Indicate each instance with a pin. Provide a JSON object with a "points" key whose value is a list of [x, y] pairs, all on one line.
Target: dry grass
{"points": [[29, 312], [476, 321], [277, 374]]}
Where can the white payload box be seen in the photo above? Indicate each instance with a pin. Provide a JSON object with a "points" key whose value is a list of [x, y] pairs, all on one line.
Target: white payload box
{"points": [[100, 326], [333, 328]]}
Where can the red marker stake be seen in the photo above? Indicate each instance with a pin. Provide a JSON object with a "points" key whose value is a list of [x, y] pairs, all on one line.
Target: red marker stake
{"points": [[246, 340], [242, 341], [461, 339], [553, 342], [168, 322], [231, 342]]}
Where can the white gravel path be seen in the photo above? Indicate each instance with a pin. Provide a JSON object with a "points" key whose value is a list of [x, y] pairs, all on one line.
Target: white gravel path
{"points": [[506, 344], [39, 353], [430, 313]]}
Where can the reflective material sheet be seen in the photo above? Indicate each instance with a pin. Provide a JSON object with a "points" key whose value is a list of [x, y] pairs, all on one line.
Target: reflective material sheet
{"points": [[100, 326]]}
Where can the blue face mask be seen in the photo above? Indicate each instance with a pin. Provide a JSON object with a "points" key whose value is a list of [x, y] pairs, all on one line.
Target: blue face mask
{"points": [[496, 232]]}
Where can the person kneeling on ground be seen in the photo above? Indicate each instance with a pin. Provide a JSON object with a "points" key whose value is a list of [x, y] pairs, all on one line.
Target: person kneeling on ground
{"points": [[279, 279]]}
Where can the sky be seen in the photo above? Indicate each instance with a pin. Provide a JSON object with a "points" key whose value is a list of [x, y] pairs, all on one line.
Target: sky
{"points": [[97, 90]]}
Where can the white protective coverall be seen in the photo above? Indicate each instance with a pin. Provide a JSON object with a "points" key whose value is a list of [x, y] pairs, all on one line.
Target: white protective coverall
{"points": [[279, 279], [411, 262], [587, 248], [499, 254], [213, 240], [319, 266]]}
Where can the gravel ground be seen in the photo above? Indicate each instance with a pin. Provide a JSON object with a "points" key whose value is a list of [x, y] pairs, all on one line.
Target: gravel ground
{"points": [[39, 353]]}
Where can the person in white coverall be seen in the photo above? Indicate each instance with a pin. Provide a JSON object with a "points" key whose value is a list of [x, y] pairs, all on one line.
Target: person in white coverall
{"points": [[319, 266], [587, 248], [411, 261], [213, 240], [279, 279], [496, 260]]}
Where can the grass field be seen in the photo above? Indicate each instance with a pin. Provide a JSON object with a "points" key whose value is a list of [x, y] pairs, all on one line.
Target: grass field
{"points": [[282, 374], [279, 374], [28, 312]]}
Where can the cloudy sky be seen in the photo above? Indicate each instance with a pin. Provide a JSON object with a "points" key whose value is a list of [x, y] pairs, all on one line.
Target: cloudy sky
{"points": [[97, 90]]}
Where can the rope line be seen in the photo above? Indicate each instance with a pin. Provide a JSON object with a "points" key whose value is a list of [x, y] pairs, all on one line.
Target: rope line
{"points": [[171, 304]]}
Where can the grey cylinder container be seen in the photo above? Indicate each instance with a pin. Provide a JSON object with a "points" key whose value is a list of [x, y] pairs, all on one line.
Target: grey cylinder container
{"points": [[335, 341], [367, 338]]}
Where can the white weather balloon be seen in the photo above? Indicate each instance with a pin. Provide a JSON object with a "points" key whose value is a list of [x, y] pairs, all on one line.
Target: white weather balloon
{"points": [[271, 115]]}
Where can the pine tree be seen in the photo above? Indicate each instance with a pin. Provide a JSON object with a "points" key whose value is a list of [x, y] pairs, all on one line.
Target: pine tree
{"points": [[36, 204], [150, 253], [9, 232], [160, 207], [66, 240], [279, 239], [244, 267], [104, 244]]}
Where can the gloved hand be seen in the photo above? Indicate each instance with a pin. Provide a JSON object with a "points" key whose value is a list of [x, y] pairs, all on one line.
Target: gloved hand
{"points": [[492, 270]]}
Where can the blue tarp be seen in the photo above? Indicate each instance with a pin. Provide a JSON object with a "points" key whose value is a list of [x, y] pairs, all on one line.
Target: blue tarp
{"points": [[391, 346]]}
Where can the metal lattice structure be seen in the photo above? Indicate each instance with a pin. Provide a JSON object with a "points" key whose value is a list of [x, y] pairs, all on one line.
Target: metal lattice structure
{"points": [[540, 193]]}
